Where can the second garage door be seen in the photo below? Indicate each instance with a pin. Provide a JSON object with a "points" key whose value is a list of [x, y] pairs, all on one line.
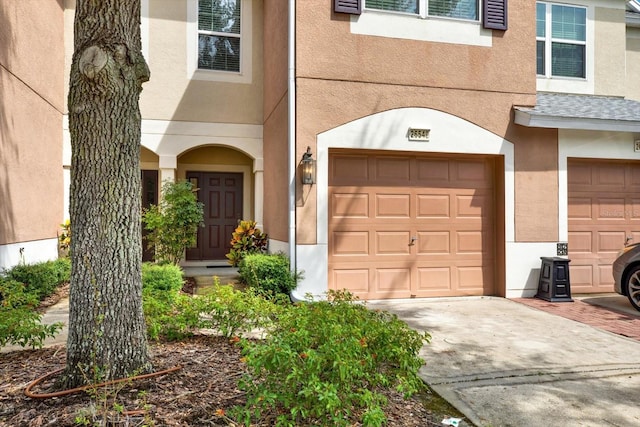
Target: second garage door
{"points": [[604, 211], [404, 226]]}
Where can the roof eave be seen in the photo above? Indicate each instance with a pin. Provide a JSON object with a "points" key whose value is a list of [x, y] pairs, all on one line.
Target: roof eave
{"points": [[526, 118]]}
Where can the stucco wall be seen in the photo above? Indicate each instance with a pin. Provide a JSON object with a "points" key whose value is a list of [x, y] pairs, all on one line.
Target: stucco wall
{"points": [[31, 104], [609, 51], [171, 94], [633, 64], [326, 49], [275, 131]]}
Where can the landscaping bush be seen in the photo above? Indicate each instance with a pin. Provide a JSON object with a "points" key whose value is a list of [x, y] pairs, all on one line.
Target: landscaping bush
{"points": [[173, 224], [246, 239], [270, 274], [325, 362], [161, 277], [19, 321], [234, 313], [41, 279]]}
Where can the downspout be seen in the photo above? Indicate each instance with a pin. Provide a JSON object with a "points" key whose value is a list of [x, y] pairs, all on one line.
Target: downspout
{"points": [[292, 134]]}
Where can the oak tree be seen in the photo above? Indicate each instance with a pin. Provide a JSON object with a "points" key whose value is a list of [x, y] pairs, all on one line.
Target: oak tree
{"points": [[107, 335]]}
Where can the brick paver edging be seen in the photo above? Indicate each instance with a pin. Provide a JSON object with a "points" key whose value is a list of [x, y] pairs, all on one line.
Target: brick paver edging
{"points": [[593, 315]]}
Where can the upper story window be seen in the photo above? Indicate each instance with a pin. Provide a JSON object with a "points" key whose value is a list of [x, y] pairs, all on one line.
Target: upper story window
{"points": [[220, 40], [219, 35], [561, 38], [460, 9]]}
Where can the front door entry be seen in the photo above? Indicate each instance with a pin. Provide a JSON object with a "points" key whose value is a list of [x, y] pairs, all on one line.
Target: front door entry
{"points": [[221, 194]]}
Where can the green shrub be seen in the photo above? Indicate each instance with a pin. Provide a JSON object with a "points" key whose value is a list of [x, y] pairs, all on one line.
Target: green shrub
{"points": [[19, 322], [325, 362], [173, 224], [161, 277], [246, 239], [41, 279], [234, 313], [270, 274]]}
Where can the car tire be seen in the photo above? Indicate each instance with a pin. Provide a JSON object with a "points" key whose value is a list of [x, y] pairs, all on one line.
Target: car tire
{"points": [[632, 287]]}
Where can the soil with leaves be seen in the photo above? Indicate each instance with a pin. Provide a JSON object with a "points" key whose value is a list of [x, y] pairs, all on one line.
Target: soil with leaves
{"points": [[201, 393]]}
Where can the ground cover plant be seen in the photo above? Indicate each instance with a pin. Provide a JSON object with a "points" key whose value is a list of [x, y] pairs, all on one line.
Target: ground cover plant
{"points": [[326, 363], [22, 289]]}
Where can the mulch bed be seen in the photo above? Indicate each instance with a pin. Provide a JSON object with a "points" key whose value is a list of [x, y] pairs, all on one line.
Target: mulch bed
{"points": [[196, 395]]}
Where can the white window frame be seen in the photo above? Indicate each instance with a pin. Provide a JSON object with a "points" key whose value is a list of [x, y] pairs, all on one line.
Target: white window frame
{"points": [[583, 85], [409, 26], [423, 7], [246, 42]]}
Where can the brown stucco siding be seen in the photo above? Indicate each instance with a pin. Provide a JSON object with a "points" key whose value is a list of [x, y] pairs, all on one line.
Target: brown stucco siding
{"points": [[507, 66], [536, 183], [31, 186], [276, 180]]}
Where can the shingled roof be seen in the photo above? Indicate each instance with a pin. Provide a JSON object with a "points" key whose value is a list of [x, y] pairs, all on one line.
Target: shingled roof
{"points": [[565, 111]]}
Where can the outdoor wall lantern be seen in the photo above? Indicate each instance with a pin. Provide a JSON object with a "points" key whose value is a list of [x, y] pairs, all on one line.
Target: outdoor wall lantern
{"points": [[308, 168]]}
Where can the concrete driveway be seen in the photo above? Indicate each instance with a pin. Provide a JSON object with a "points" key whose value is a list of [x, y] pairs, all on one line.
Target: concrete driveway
{"points": [[503, 363]]}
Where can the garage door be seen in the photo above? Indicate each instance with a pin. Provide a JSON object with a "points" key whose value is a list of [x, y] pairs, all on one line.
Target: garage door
{"points": [[411, 226], [604, 210]]}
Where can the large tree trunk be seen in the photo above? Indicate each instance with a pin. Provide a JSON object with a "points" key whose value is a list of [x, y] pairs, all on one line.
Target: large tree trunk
{"points": [[107, 336]]}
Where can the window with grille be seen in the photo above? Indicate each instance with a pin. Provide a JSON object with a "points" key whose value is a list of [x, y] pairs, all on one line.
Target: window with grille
{"points": [[458, 9], [561, 39], [219, 36]]}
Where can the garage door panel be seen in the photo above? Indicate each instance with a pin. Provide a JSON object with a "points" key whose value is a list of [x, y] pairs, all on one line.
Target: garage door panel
{"points": [[350, 243], [602, 214], [433, 206], [349, 170], [434, 279], [393, 279], [474, 174], [581, 241], [580, 208], [433, 242], [610, 241], [610, 209], [356, 280], [472, 206], [393, 205], [448, 209], [432, 171], [349, 205], [392, 170], [581, 276], [392, 242], [472, 278]]}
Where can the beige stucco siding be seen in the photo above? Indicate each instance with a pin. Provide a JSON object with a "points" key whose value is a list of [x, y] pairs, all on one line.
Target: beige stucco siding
{"points": [[31, 84], [610, 62], [171, 94], [633, 63]]}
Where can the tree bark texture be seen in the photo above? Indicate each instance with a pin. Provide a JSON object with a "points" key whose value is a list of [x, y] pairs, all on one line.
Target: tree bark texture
{"points": [[107, 335]]}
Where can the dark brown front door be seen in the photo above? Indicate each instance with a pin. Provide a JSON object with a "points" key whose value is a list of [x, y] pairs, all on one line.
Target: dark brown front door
{"points": [[221, 194]]}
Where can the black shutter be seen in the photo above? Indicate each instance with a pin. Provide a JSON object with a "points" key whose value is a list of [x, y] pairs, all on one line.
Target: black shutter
{"points": [[494, 15], [353, 7]]}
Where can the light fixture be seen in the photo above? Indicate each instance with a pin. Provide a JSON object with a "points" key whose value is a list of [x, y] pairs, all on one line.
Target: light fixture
{"points": [[308, 168]]}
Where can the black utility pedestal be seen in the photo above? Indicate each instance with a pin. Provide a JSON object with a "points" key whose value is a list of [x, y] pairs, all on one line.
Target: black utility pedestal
{"points": [[553, 284]]}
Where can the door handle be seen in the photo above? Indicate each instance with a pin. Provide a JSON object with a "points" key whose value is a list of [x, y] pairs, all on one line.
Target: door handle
{"points": [[413, 241]]}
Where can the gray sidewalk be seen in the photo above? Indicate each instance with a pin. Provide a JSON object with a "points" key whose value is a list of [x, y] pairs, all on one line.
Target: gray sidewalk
{"points": [[505, 364]]}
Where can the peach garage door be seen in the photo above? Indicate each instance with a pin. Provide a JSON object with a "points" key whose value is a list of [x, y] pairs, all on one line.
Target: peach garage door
{"points": [[604, 210], [404, 226]]}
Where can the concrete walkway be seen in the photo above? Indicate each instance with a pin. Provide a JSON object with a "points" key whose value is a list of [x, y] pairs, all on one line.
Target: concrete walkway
{"points": [[503, 363]]}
